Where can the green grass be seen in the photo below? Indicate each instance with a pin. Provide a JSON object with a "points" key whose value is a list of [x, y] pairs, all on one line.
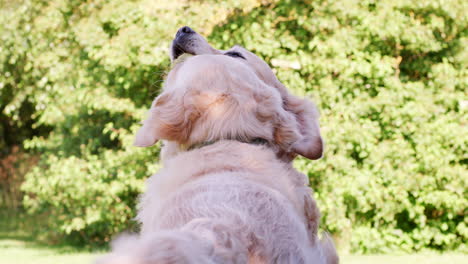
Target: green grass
{"points": [[21, 252], [21, 244], [431, 258], [13, 251], [23, 241]]}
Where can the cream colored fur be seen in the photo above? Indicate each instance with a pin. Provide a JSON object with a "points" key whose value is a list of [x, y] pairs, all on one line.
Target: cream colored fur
{"points": [[227, 202]]}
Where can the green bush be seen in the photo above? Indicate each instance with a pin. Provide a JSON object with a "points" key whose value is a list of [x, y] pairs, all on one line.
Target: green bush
{"points": [[389, 77]]}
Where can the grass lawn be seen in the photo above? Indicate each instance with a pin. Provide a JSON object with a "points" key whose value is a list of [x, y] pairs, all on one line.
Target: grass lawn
{"points": [[19, 244], [406, 259], [15, 251], [21, 252]]}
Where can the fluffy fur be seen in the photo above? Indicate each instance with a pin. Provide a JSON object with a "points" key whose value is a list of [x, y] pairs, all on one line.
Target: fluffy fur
{"points": [[228, 201]]}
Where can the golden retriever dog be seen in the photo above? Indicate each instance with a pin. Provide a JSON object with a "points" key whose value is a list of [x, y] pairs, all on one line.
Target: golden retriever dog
{"points": [[227, 192]]}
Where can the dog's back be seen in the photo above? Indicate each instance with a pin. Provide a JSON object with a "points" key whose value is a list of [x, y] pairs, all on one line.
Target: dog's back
{"points": [[198, 214]]}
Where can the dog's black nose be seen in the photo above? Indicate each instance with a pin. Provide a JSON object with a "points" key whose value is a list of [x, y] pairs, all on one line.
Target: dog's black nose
{"points": [[184, 30]]}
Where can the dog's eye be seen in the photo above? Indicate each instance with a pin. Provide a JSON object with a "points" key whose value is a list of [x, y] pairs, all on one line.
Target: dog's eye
{"points": [[234, 54]]}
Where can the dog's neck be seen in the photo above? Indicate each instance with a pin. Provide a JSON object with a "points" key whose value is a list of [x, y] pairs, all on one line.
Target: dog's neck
{"points": [[255, 141], [223, 155], [171, 149]]}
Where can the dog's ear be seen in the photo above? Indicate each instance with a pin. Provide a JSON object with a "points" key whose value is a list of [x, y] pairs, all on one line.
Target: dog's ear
{"points": [[168, 119], [311, 145], [286, 132], [286, 128], [307, 116]]}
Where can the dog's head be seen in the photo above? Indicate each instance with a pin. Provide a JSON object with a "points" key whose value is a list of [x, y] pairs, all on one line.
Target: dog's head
{"points": [[229, 94]]}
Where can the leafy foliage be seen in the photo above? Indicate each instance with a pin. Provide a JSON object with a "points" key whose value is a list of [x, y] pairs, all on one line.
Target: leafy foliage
{"points": [[390, 78]]}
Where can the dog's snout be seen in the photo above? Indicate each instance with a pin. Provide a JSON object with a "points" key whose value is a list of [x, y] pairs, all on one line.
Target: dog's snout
{"points": [[189, 41], [184, 30], [187, 30]]}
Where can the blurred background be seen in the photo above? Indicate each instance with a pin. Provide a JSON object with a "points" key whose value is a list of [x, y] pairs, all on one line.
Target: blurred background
{"points": [[390, 79]]}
